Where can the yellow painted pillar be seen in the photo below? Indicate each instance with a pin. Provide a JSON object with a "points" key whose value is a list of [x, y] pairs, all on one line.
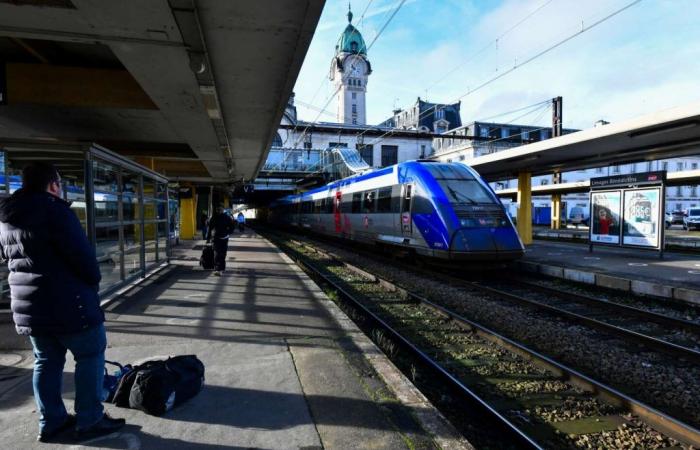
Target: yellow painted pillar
{"points": [[556, 212], [227, 202], [525, 207], [188, 216]]}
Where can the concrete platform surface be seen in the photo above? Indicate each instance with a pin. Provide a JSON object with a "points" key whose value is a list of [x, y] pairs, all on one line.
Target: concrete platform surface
{"points": [[283, 368], [675, 276]]}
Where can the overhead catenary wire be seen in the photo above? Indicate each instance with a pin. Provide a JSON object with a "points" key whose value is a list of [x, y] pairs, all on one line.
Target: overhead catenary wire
{"points": [[491, 43], [539, 54]]}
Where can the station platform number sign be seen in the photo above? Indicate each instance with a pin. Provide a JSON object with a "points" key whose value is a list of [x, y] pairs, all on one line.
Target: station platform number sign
{"points": [[627, 210]]}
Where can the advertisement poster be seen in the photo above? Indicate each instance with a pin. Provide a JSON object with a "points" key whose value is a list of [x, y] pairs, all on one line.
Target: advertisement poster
{"points": [[605, 217], [641, 217]]}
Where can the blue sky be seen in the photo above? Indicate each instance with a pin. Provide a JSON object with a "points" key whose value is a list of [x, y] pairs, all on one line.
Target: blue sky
{"points": [[645, 59]]}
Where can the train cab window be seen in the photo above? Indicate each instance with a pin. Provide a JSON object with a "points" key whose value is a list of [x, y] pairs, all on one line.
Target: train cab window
{"points": [[357, 202], [369, 202], [384, 200]]}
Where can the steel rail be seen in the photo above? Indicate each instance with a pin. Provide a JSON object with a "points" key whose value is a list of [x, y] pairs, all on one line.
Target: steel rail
{"points": [[657, 419], [518, 435], [634, 336], [651, 316]]}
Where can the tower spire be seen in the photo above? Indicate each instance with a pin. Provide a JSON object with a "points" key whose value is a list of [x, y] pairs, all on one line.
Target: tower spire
{"points": [[349, 13]]}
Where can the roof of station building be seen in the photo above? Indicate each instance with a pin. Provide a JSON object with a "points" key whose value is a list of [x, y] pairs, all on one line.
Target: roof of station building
{"points": [[351, 41]]}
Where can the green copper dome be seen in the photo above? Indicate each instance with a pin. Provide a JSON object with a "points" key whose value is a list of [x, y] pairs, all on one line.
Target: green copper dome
{"points": [[351, 40]]}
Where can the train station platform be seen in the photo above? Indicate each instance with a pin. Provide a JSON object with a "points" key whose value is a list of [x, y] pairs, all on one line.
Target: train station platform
{"points": [[676, 238], [284, 367], [676, 276]]}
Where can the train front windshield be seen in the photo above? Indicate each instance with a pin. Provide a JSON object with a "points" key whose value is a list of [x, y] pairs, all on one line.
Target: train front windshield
{"points": [[459, 185]]}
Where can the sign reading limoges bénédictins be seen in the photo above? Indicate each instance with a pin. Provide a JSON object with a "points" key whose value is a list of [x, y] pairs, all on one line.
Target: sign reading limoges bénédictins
{"points": [[629, 179]]}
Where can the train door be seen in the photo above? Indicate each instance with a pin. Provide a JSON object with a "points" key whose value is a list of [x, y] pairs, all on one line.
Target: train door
{"points": [[337, 218], [405, 209]]}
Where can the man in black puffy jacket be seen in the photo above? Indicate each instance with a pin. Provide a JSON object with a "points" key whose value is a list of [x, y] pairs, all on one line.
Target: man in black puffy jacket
{"points": [[54, 279], [220, 227]]}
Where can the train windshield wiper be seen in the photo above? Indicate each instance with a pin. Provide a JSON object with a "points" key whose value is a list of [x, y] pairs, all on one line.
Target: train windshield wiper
{"points": [[456, 196]]}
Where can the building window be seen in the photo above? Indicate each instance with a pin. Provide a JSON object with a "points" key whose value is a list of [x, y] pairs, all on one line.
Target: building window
{"points": [[664, 165], [650, 166], [679, 191], [616, 169], [598, 170], [679, 206], [422, 151], [307, 145], [359, 82], [354, 95], [462, 157], [694, 166], [367, 153], [354, 121], [679, 166], [390, 155], [694, 191], [354, 108], [546, 134]]}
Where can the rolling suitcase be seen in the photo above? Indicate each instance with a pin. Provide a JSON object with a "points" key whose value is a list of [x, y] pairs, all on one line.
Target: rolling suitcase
{"points": [[207, 258]]}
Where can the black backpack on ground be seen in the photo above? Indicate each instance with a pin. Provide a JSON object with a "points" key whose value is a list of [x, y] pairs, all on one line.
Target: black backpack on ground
{"points": [[207, 258], [156, 386]]}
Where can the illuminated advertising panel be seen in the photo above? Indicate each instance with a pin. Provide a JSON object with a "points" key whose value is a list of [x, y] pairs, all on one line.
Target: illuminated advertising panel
{"points": [[605, 217], [642, 217]]}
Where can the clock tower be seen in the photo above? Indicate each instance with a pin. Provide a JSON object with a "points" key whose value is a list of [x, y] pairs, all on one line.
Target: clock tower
{"points": [[350, 69]]}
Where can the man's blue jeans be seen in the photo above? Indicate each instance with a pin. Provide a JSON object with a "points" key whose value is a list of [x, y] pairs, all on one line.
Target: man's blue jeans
{"points": [[88, 349]]}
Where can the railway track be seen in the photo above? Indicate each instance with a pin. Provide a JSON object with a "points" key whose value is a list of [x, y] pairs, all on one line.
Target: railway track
{"points": [[673, 336], [532, 399]]}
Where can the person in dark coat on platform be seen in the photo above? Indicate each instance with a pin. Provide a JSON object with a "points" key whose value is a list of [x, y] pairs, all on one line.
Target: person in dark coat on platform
{"points": [[54, 278], [220, 227]]}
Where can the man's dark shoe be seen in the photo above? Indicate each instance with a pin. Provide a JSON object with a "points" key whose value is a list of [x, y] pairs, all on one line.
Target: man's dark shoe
{"points": [[106, 425], [45, 436]]}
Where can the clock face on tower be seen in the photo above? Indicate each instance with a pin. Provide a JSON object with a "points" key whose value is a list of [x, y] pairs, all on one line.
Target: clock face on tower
{"points": [[356, 68]]}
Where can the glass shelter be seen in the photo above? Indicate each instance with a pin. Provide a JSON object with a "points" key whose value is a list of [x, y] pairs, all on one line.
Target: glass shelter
{"points": [[124, 207]]}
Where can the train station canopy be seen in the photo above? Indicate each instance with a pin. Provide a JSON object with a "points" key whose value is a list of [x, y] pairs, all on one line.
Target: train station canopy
{"points": [[665, 134], [192, 89]]}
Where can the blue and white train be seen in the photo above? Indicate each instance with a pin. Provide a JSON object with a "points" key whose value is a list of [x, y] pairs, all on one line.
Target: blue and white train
{"points": [[434, 209]]}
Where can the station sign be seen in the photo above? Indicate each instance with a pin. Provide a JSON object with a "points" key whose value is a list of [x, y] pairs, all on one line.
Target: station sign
{"points": [[633, 179], [632, 214]]}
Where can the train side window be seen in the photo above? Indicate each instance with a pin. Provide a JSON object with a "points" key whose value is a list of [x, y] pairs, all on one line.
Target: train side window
{"points": [[318, 204], [329, 205], [396, 198], [345, 204], [384, 200], [369, 202], [357, 202]]}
